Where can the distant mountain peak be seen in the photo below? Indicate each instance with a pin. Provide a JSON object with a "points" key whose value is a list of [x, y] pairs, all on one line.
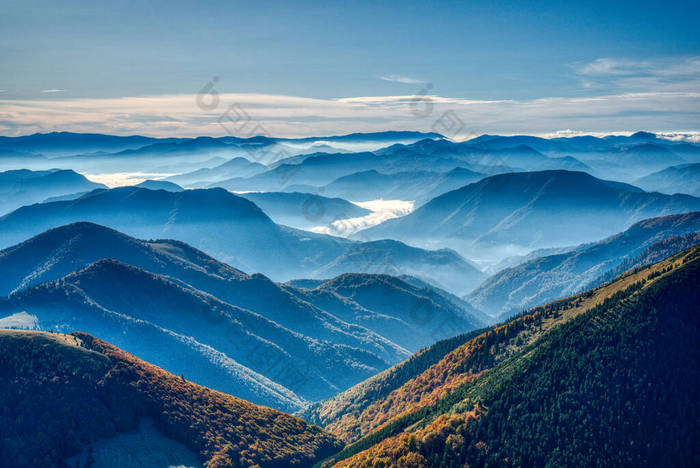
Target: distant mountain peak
{"points": [[643, 135]]}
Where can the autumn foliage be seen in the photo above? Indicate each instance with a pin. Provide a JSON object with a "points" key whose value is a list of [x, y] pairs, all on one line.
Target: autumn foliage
{"points": [[60, 392]]}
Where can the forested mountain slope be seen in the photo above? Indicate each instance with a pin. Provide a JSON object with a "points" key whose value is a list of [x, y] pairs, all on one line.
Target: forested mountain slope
{"points": [[61, 393], [594, 365]]}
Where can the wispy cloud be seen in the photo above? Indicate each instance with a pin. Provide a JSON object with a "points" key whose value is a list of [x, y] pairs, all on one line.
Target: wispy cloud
{"points": [[609, 66], [655, 108], [401, 79], [665, 74], [52, 91]]}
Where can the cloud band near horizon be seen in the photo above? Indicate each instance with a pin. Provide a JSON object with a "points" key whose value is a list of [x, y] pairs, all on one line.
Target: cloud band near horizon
{"points": [[293, 116]]}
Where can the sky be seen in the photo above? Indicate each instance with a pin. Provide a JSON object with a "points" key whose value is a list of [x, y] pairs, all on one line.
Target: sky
{"points": [[183, 68]]}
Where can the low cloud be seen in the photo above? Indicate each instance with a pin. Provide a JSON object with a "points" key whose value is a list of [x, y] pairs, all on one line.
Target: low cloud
{"points": [[382, 210], [52, 91]]}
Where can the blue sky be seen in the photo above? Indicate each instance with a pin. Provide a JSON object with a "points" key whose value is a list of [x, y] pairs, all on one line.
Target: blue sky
{"points": [[63, 59]]}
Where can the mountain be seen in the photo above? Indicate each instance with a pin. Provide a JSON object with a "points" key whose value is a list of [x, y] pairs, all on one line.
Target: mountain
{"points": [[228, 227], [444, 268], [528, 210], [61, 271], [652, 254], [11, 159], [675, 179], [159, 185], [66, 143], [150, 306], [411, 316], [315, 170], [25, 187], [570, 145], [428, 155], [419, 186], [236, 167], [583, 381], [170, 153], [78, 396], [448, 297], [517, 156], [551, 277], [304, 210], [390, 136], [649, 155], [187, 215], [617, 157]]}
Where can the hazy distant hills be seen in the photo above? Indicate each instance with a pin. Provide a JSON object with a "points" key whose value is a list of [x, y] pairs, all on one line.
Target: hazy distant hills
{"points": [[443, 267], [235, 167], [25, 187], [622, 157], [684, 178], [304, 210], [419, 186], [239, 333], [160, 156], [423, 156], [529, 210], [148, 213], [388, 136], [75, 395], [547, 278], [229, 227], [66, 143], [493, 397], [103, 153], [411, 316], [159, 185], [615, 156]]}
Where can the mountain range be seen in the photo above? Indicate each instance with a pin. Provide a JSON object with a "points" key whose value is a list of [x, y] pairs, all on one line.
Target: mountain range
{"points": [[528, 210], [105, 153], [25, 187], [594, 365], [675, 179], [236, 231], [304, 210], [501, 301], [469, 399], [235, 167], [277, 345], [418, 186], [551, 277]]}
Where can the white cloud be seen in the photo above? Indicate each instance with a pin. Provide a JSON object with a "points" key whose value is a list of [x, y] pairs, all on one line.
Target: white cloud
{"points": [[610, 66], [120, 179], [401, 79], [52, 91], [381, 210], [670, 110], [664, 74], [693, 137]]}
